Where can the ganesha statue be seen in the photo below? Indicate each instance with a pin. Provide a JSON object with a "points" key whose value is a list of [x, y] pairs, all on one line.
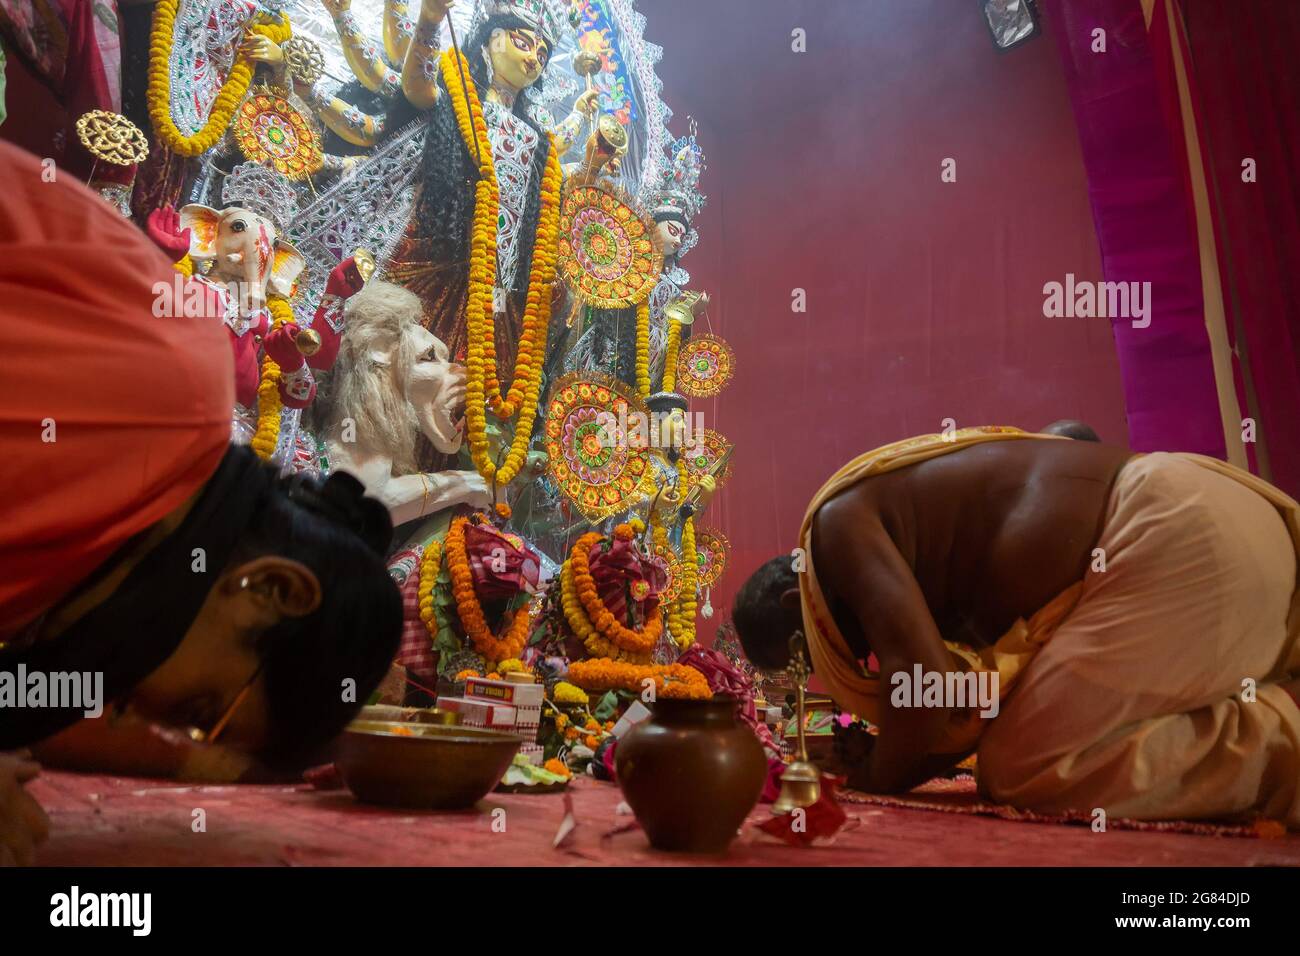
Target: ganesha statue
{"points": [[394, 383]]}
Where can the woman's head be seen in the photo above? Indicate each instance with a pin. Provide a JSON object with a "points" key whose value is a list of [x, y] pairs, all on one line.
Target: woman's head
{"points": [[303, 616], [767, 612]]}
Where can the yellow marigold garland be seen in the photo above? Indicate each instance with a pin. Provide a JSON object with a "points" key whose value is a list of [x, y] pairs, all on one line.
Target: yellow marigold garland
{"points": [[470, 610], [430, 565], [686, 602], [602, 633], [184, 265], [643, 349], [483, 385], [228, 97], [670, 356], [267, 435], [671, 680]]}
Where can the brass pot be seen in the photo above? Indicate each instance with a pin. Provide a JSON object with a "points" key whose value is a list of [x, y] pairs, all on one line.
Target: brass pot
{"points": [[691, 773], [423, 766]]}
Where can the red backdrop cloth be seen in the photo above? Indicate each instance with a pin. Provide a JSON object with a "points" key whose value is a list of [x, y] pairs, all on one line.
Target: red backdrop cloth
{"points": [[925, 298], [1247, 94], [110, 415]]}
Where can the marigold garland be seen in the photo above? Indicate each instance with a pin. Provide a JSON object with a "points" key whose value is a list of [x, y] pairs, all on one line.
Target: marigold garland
{"points": [[483, 385], [602, 633], [676, 681], [430, 566], [158, 98], [184, 265], [267, 435], [670, 356], [686, 602], [471, 612], [643, 349]]}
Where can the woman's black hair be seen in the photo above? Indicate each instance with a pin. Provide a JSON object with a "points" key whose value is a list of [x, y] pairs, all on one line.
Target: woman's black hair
{"points": [[445, 209], [354, 94], [319, 670], [762, 623]]}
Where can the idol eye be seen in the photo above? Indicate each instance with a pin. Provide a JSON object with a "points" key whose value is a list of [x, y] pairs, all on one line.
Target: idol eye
{"points": [[238, 225], [522, 41]]}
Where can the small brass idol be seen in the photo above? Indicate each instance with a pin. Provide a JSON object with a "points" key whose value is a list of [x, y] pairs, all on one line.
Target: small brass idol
{"points": [[801, 784]]}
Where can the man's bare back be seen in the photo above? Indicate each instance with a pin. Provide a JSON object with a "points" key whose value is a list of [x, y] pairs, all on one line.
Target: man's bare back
{"points": [[956, 548], [991, 532]]}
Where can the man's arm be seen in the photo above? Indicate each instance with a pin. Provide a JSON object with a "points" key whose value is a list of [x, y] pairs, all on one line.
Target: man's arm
{"points": [[861, 565]]}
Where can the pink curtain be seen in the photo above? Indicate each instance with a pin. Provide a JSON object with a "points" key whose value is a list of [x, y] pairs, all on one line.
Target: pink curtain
{"points": [[1137, 187], [1246, 90]]}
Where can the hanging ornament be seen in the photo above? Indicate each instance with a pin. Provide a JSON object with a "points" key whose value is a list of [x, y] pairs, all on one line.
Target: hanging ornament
{"points": [[599, 457], [714, 548], [271, 130], [708, 454], [705, 366], [112, 138], [606, 254]]}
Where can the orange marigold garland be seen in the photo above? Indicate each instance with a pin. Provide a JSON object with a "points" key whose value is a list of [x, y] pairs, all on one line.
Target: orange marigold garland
{"points": [[671, 680], [267, 435], [602, 633], [483, 386], [470, 611]]}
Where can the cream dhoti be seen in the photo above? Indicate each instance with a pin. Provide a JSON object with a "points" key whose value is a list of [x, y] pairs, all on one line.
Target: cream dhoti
{"points": [[1148, 689], [1157, 695]]}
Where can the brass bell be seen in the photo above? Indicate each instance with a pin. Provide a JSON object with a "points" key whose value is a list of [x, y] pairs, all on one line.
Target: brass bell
{"points": [[801, 783]]}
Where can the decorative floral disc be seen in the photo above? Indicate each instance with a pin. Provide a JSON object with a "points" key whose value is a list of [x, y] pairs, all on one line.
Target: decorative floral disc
{"points": [[598, 464], [705, 366], [112, 138], [713, 547], [674, 565], [271, 130], [705, 452], [605, 249]]}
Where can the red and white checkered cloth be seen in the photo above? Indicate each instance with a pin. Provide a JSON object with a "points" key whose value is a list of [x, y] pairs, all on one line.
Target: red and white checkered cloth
{"points": [[415, 652]]}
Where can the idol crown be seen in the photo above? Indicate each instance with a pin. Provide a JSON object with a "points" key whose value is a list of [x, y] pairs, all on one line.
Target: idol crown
{"points": [[551, 16], [679, 191], [262, 190]]}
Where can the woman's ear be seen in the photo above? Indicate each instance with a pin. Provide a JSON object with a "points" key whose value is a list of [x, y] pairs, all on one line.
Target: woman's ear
{"points": [[790, 599], [280, 586]]}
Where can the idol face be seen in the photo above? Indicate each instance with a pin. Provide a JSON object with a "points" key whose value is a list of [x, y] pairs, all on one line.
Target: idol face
{"points": [[668, 237], [519, 57]]}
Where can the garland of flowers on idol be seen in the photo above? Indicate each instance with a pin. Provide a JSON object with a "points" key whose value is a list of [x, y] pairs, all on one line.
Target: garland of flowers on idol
{"points": [[643, 348], [430, 566], [600, 631], [670, 356], [158, 97], [482, 380], [267, 434], [470, 611], [671, 680]]}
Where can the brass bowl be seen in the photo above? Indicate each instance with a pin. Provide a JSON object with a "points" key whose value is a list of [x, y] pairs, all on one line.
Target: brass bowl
{"points": [[418, 715], [423, 766]]}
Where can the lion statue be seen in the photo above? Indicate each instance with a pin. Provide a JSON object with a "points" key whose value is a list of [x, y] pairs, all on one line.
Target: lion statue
{"points": [[394, 382]]}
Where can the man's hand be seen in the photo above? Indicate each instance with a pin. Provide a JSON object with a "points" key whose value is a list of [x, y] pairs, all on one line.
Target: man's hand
{"points": [[23, 824], [164, 228]]}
